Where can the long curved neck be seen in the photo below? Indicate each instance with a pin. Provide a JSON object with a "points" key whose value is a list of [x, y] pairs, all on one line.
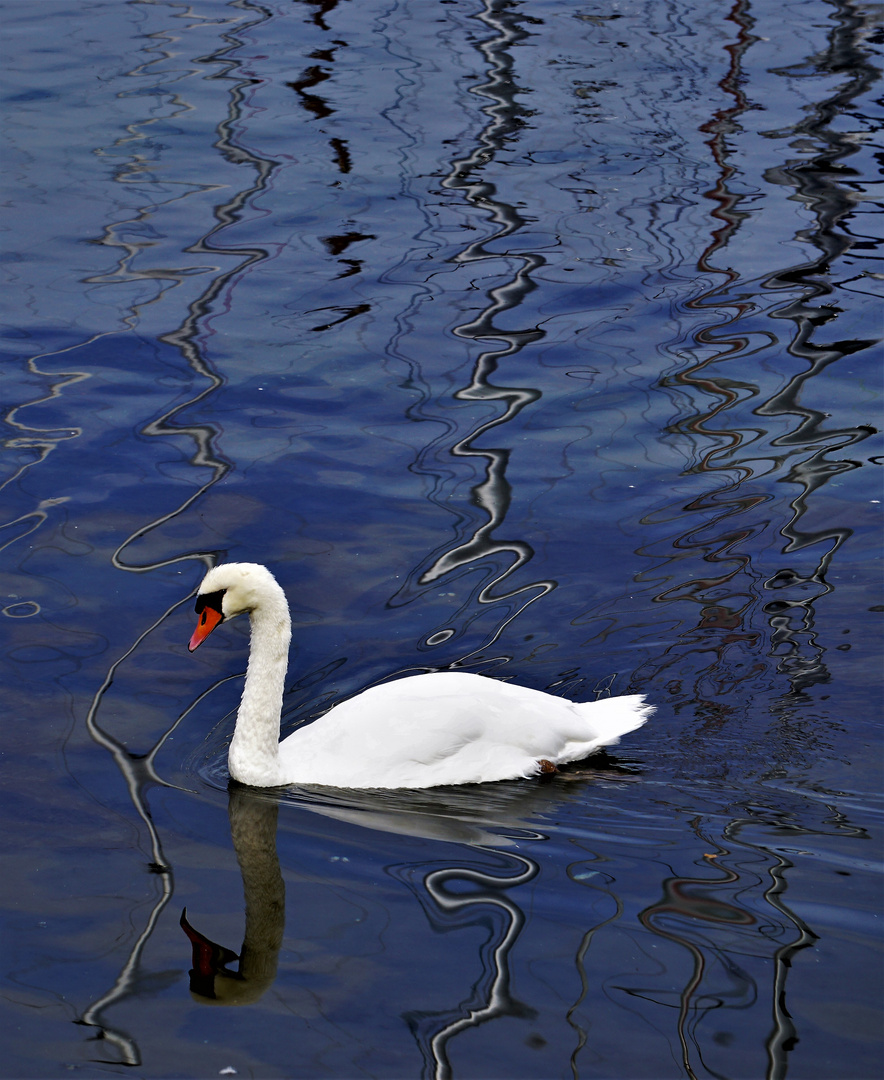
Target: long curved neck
{"points": [[253, 757]]}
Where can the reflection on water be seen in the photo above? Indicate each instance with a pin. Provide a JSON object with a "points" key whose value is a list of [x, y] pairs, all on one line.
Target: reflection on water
{"points": [[253, 832], [721, 940], [490, 498], [529, 338], [733, 512], [462, 896]]}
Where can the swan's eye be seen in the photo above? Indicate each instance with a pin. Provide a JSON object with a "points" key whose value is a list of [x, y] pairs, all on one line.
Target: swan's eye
{"points": [[206, 602]]}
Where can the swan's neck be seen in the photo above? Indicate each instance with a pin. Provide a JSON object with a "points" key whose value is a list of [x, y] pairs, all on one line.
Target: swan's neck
{"points": [[253, 757]]}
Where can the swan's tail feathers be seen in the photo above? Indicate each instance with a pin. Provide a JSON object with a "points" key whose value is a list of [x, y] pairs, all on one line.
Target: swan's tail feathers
{"points": [[612, 717]]}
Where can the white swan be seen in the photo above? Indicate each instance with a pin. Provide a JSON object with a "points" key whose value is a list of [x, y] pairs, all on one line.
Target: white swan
{"points": [[444, 727]]}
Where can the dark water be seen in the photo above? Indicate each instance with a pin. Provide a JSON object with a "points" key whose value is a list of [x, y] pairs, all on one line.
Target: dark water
{"points": [[537, 339]]}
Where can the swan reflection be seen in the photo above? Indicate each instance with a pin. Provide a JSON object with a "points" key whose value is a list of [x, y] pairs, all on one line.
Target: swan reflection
{"points": [[433, 815], [490, 815], [453, 895], [253, 820]]}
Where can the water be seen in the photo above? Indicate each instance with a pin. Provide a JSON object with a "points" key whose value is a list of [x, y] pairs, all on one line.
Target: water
{"points": [[536, 340]]}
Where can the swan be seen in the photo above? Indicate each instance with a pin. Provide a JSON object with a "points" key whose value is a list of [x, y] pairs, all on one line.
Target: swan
{"points": [[421, 731]]}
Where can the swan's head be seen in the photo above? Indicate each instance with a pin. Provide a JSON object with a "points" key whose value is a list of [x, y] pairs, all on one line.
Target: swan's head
{"points": [[229, 590]]}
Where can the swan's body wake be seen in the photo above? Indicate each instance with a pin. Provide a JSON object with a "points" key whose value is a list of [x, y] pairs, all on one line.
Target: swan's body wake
{"points": [[447, 727]]}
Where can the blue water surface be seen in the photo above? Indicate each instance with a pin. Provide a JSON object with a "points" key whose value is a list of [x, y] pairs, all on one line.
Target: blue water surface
{"points": [[536, 339]]}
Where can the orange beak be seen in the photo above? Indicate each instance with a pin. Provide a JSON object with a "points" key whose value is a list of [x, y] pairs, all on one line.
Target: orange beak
{"points": [[209, 619]]}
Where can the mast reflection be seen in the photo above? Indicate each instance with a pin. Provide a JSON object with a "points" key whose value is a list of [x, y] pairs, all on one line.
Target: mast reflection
{"points": [[449, 905], [477, 544]]}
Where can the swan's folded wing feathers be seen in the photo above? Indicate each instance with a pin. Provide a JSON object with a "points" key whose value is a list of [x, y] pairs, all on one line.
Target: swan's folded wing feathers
{"points": [[451, 728]]}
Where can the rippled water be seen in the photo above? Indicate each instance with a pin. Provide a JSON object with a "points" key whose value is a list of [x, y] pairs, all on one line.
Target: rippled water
{"points": [[537, 339]]}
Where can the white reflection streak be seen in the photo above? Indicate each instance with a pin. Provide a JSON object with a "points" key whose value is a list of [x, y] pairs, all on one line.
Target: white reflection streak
{"points": [[139, 773], [492, 494], [498, 999]]}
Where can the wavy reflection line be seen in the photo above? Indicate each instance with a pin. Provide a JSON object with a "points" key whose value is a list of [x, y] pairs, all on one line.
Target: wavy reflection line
{"points": [[687, 903], [728, 514], [687, 898], [580, 964], [186, 337], [783, 1034], [319, 106], [723, 123], [491, 497], [42, 441], [323, 7], [132, 173], [725, 603], [139, 774], [718, 917], [491, 995]]}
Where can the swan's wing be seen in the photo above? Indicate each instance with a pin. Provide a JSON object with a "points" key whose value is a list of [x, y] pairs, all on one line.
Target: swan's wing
{"points": [[450, 728]]}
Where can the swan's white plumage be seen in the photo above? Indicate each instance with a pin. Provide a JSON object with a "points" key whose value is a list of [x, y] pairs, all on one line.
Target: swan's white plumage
{"points": [[445, 727]]}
